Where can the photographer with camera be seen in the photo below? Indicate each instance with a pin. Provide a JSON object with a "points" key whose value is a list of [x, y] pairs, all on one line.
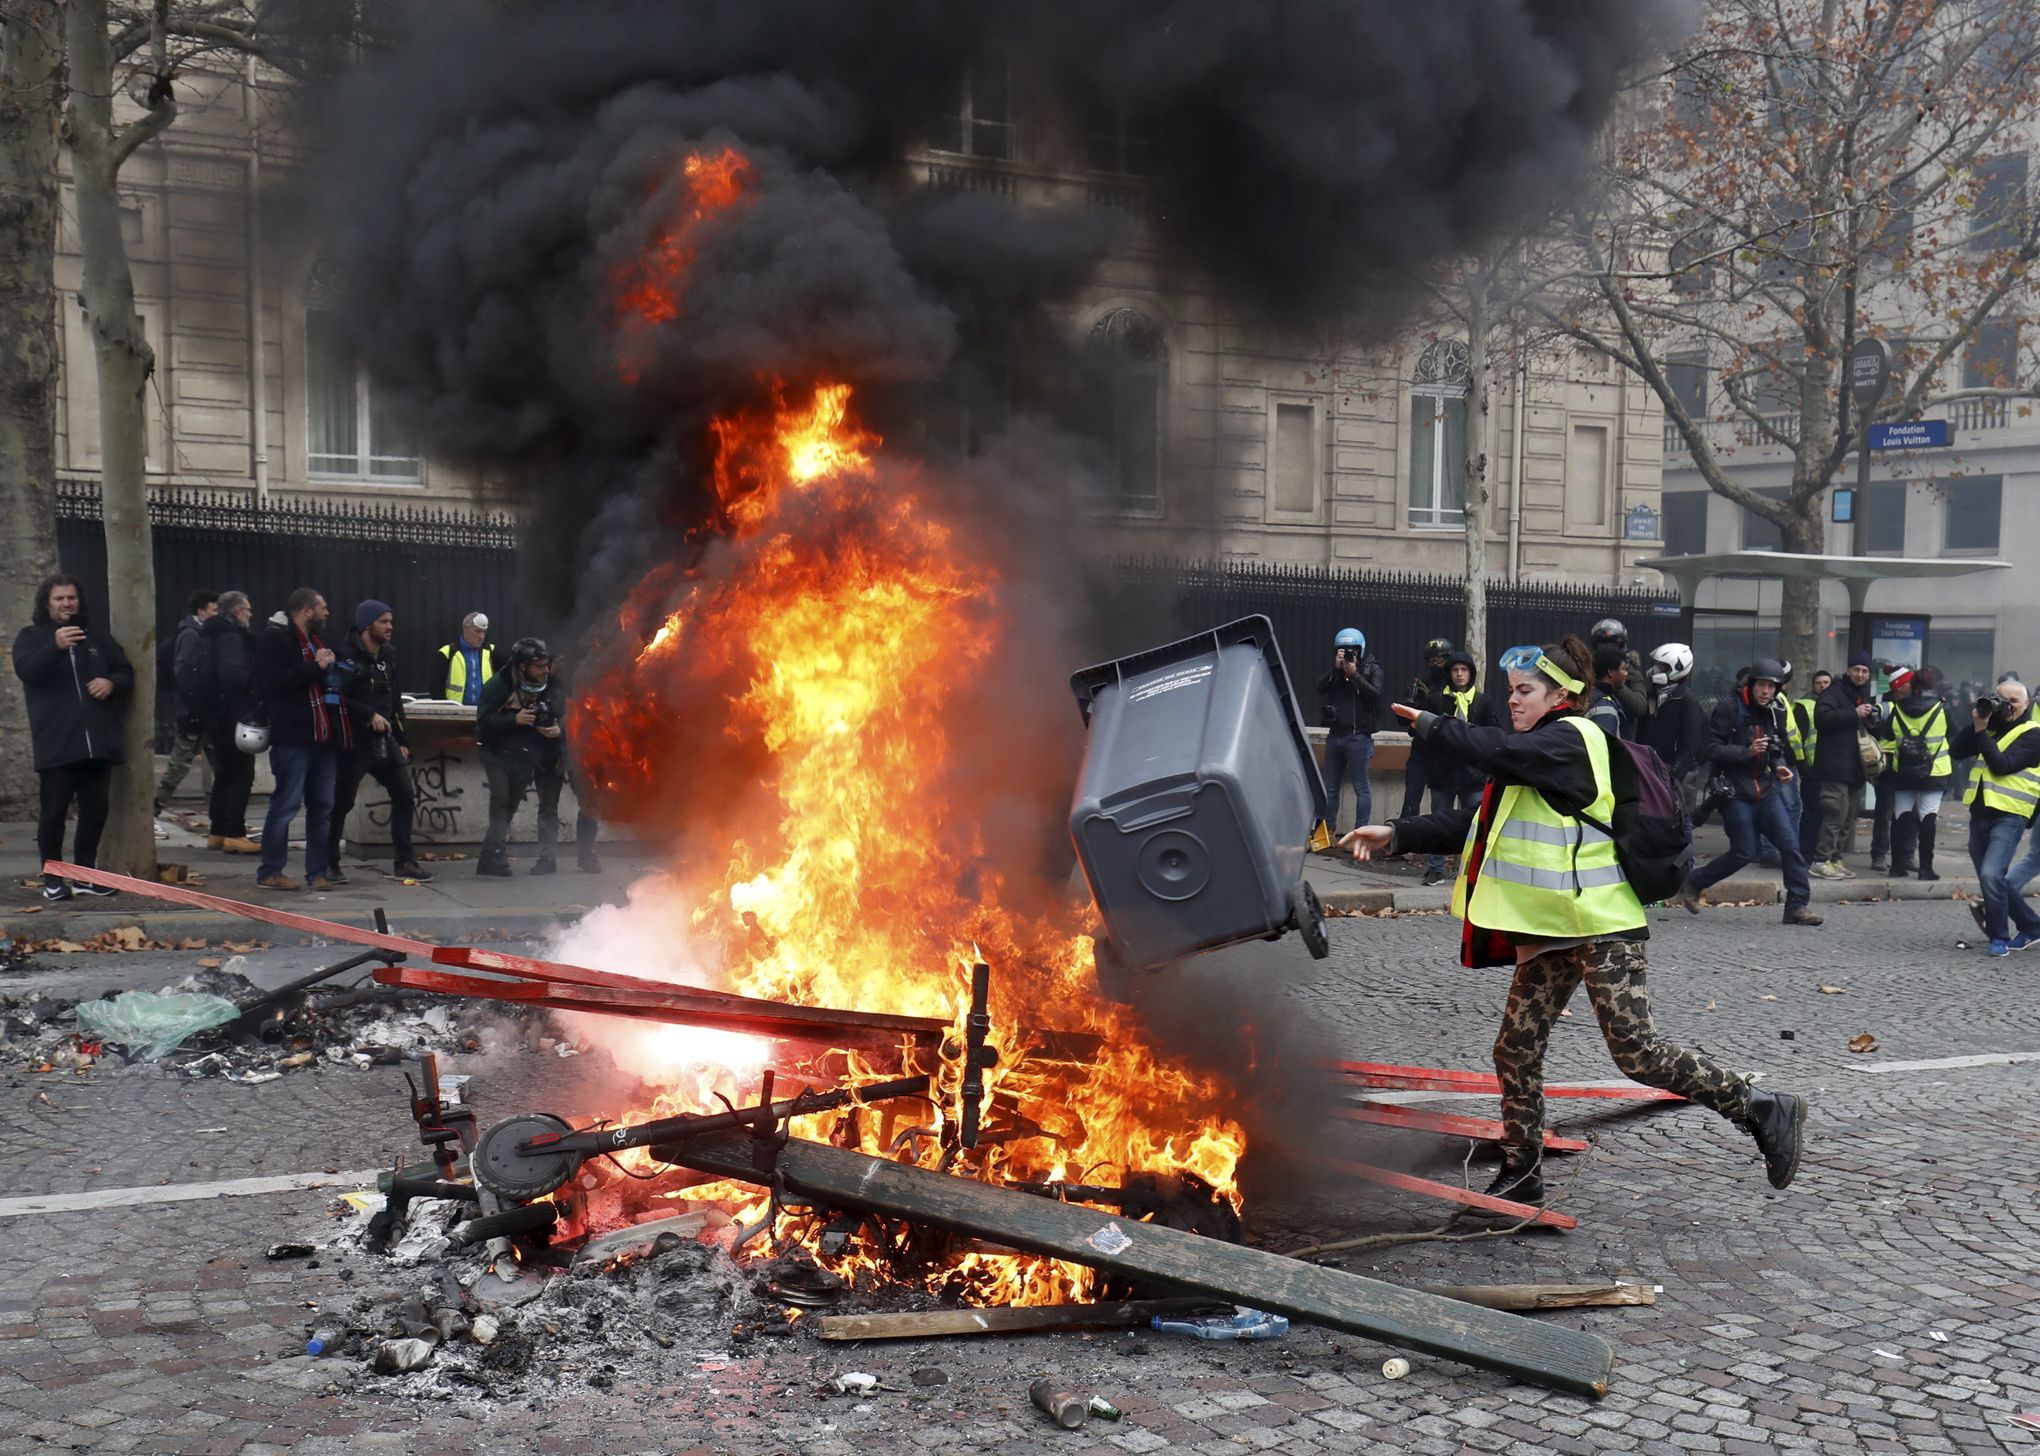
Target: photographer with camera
{"points": [[519, 722], [1425, 692], [1349, 696], [382, 748], [308, 730], [2003, 794], [1752, 746]]}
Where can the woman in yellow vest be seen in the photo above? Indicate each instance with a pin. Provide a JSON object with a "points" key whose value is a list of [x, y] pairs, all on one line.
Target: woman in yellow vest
{"points": [[1917, 732], [1543, 891]]}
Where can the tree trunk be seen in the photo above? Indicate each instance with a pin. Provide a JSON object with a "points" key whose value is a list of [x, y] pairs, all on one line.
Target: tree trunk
{"points": [[1799, 606], [31, 76], [124, 362], [1479, 413]]}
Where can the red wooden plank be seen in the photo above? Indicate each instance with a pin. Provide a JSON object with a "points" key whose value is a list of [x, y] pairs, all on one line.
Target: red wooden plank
{"points": [[1450, 1193], [267, 914], [1483, 1129], [1435, 1079]]}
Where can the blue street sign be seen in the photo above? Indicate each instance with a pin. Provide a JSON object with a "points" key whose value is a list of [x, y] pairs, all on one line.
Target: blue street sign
{"points": [[1640, 523], [1909, 435]]}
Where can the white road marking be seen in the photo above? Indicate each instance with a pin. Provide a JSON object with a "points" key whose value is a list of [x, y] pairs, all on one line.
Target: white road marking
{"points": [[1948, 1064], [181, 1192]]}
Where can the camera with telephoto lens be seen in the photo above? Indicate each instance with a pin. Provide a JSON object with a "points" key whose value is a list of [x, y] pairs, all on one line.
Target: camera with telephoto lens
{"points": [[1990, 705]]}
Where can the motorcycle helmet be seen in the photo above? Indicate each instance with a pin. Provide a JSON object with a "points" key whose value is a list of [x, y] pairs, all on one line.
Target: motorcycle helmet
{"points": [[1437, 647], [1609, 630], [1768, 669], [1671, 663], [251, 737], [1351, 637], [528, 650]]}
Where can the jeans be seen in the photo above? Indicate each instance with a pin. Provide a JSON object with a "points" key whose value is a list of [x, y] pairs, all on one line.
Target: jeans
{"points": [[233, 779], [1348, 755], [1993, 840], [90, 783], [511, 777], [304, 777], [1788, 794], [1744, 821], [395, 776]]}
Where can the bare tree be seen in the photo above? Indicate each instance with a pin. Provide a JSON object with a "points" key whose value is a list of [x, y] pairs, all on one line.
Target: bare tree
{"points": [[1804, 174]]}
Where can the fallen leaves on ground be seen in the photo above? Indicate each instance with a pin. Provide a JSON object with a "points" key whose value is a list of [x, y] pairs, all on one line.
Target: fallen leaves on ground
{"points": [[1862, 1041], [1767, 998], [1834, 990]]}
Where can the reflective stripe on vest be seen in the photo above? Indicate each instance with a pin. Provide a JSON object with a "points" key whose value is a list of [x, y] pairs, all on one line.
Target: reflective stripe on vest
{"points": [[456, 670], [1805, 737], [1546, 875], [1923, 729], [2013, 793]]}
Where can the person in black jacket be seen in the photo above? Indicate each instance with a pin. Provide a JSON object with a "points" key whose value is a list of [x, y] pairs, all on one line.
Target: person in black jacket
{"points": [[1422, 695], [1350, 698], [1456, 783], [1999, 734], [78, 684], [308, 730], [180, 683], [225, 698], [1751, 744], [1847, 705], [520, 724], [1608, 705], [382, 745], [1676, 725]]}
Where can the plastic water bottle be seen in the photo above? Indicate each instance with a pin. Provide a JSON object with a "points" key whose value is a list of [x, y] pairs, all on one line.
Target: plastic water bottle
{"points": [[1241, 1324], [324, 1342]]}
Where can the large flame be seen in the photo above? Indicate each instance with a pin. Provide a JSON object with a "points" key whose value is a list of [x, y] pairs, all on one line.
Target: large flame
{"points": [[821, 655]]}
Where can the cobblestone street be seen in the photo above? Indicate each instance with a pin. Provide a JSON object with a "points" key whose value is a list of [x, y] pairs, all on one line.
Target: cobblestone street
{"points": [[1890, 1301]]}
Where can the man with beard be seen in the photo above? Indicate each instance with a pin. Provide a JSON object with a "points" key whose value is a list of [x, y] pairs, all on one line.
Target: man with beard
{"points": [[519, 725], [382, 749], [308, 729], [77, 681]]}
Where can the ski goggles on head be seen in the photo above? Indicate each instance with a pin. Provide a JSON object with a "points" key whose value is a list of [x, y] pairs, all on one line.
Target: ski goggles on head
{"points": [[1532, 659]]}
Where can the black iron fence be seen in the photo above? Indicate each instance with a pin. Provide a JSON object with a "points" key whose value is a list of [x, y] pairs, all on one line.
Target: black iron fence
{"points": [[1399, 611], [432, 565]]}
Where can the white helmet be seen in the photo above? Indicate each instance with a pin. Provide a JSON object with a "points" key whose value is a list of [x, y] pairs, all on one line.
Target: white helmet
{"points": [[251, 737], [1671, 663]]}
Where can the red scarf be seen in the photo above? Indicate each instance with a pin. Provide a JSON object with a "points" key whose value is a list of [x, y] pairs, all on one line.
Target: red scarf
{"points": [[323, 725]]}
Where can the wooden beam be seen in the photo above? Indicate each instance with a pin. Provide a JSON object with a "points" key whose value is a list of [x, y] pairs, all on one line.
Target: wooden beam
{"points": [[1527, 1297], [926, 1324], [1481, 1129], [1563, 1359], [1450, 1193], [267, 914]]}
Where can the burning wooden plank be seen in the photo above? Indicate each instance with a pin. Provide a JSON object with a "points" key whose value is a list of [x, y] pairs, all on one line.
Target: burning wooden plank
{"points": [[1563, 1359]]}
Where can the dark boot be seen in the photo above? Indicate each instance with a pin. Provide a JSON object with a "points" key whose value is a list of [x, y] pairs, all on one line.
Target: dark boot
{"points": [[1905, 832], [1926, 846], [1778, 1122], [1519, 1183], [493, 862], [1800, 915], [545, 864], [590, 862]]}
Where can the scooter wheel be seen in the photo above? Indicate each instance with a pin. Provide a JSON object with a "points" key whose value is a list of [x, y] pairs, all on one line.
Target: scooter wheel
{"points": [[1309, 917]]}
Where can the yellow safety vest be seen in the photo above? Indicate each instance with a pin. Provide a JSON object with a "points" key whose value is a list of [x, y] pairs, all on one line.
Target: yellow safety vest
{"points": [[456, 670], [1799, 731], [1462, 702], [1933, 728], [1546, 875], [2013, 793]]}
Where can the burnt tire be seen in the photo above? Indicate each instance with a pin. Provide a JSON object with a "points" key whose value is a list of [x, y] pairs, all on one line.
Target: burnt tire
{"points": [[1308, 916]]}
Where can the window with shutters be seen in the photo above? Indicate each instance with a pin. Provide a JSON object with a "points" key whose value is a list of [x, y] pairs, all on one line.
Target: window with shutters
{"points": [[1438, 437]]}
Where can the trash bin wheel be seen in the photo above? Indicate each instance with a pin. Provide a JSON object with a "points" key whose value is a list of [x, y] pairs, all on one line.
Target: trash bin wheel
{"points": [[1308, 916]]}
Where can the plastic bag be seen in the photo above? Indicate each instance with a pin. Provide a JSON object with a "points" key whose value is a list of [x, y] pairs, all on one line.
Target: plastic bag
{"points": [[150, 1023], [1242, 1324]]}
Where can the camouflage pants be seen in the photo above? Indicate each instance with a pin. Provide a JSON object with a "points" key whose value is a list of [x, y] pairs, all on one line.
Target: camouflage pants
{"points": [[1614, 973]]}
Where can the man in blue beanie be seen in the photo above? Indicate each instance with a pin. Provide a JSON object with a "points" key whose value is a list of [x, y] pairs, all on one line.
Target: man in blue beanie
{"points": [[382, 748]]}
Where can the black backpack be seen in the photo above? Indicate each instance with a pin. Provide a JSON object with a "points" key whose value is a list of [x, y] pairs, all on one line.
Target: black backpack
{"points": [[1914, 760], [1652, 831]]}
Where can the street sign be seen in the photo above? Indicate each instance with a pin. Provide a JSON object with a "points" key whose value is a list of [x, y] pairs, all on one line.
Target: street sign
{"points": [[1909, 435], [1640, 523], [1869, 371]]}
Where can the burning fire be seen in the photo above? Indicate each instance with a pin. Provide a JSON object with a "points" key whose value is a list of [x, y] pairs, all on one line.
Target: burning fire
{"points": [[802, 688], [649, 290]]}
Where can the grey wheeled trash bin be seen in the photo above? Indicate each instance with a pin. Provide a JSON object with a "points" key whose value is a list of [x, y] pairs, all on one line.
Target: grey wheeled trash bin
{"points": [[1197, 799]]}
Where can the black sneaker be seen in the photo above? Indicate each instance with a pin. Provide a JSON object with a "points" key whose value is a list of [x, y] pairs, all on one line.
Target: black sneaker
{"points": [[336, 876], [54, 889], [1433, 877], [1778, 1122], [410, 869], [545, 865], [97, 892], [589, 864], [497, 867]]}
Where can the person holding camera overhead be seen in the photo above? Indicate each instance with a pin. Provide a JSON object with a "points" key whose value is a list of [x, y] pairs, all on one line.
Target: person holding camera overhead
{"points": [[1350, 699], [2003, 794], [519, 724], [308, 731], [1751, 744]]}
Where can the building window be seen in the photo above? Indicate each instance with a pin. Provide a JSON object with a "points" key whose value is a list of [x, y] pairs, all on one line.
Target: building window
{"points": [[2000, 203], [1759, 534], [1293, 460], [976, 121], [1883, 507], [1975, 504], [1992, 359], [1127, 362], [350, 429], [1685, 522], [1687, 375], [1586, 478], [1438, 437], [1115, 143]]}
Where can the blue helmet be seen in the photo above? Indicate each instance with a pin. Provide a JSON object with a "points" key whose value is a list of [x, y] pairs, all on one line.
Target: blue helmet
{"points": [[1351, 637]]}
